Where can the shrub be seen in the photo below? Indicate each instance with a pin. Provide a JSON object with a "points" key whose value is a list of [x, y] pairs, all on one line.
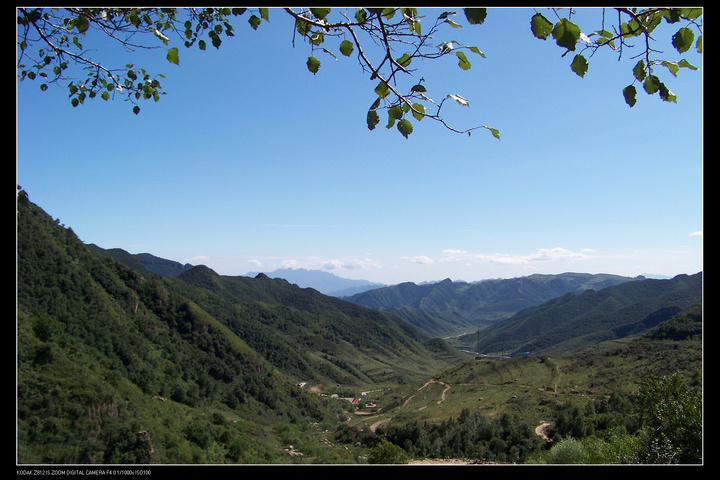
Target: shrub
{"points": [[387, 453]]}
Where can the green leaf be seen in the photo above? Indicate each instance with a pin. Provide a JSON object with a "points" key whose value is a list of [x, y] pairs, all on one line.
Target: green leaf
{"points": [[495, 132], [405, 127], [651, 84], [685, 64], [566, 33], [411, 18], [372, 119], [317, 38], [463, 61], [605, 38], [672, 15], [418, 111], [360, 15], [265, 14], [683, 39], [579, 65], [81, 23], [254, 21], [136, 109], [394, 113], [382, 89], [173, 56], [639, 70], [666, 94], [630, 94], [477, 50], [216, 41], [388, 13], [475, 16], [419, 88], [346, 47], [541, 27], [320, 13], [691, 13], [302, 27], [313, 64], [672, 66], [405, 60]]}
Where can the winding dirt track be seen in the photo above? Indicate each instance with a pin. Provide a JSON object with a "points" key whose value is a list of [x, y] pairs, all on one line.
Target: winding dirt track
{"points": [[539, 430]]}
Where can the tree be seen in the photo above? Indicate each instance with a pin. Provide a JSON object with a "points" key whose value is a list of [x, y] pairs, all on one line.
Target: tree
{"points": [[387, 453], [672, 416], [387, 43]]}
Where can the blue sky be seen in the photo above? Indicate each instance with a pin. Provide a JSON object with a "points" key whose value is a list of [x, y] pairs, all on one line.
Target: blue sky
{"points": [[252, 163]]}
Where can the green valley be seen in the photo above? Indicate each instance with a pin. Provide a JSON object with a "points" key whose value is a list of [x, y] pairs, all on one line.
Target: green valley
{"points": [[127, 359]]}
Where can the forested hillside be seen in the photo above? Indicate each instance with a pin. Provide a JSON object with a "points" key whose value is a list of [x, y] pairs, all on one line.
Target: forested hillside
{"points": [[573, 322], [448, 307], [117, 364], [121, 365], [145, 261], [637, 400]]}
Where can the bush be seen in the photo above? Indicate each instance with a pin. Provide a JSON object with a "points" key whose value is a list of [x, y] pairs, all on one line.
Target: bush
{"points": [[568, 451], [672, 420], [387, 453]]}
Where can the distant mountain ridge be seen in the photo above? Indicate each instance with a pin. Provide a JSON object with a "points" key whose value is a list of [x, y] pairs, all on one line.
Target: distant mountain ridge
{"points": [[447, 307], [144, 261], [117, 364], [323, 282], [572, 322]]}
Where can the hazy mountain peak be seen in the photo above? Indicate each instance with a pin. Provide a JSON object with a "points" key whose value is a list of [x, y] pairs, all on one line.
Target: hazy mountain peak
{"points": [[324, 282]]}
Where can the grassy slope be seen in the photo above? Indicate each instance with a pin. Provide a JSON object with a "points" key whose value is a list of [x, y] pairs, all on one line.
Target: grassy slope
{"points": [[105, 352], [531, 386]]}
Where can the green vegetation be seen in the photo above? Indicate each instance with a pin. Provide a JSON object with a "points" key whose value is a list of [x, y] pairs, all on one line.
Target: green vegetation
{"points": [[385, 41], [450, 308], [117, 364], [635, 400], [120, 365], [575, 321]]}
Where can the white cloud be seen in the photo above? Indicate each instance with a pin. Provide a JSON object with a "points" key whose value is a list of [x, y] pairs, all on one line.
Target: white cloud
{"points": [[290, 263], [697, 234], [317, 263], [350, 264], [556, 253], [542, 255], [421, 259]]}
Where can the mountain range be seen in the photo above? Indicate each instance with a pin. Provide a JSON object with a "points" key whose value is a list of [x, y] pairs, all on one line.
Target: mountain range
{"points": [[448, 308], [125, 358], [118, 364], [574, 321], [323, 282]]}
